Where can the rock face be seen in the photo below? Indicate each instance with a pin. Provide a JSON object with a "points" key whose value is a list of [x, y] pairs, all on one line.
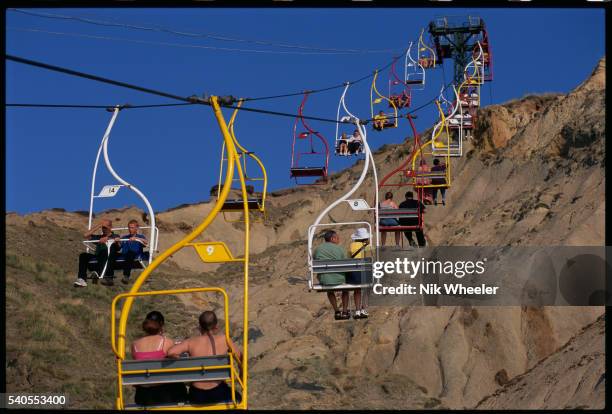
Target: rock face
{"points": [[572, 377], [532, 175]]}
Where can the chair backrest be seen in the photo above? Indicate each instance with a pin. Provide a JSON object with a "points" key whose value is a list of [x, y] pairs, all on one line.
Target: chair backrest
{"points": [[340, 266], [163, 371], [364, 266]]}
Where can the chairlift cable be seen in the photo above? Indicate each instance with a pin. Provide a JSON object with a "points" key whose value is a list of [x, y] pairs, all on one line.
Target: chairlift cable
{"points": [[189, 100], [93, 77], [329, 88], [171, 44], [195, 35], [126, 106]]}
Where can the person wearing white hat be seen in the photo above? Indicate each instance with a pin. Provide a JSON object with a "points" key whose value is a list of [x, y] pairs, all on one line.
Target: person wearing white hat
{"points": [[357, 250]]}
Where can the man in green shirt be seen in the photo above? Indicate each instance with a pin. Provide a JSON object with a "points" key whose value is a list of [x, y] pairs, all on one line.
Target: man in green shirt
{"points": [[330, 250]]}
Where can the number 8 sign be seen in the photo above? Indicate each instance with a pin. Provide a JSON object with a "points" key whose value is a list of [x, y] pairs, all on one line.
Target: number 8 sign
{"points": [[359, 204]]}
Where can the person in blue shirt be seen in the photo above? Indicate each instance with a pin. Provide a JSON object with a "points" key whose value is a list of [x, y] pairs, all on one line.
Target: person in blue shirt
{"points": [[132, 248]]}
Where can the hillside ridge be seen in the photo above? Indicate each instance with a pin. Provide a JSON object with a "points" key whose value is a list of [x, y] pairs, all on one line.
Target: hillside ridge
{"points": [[544, 185]]}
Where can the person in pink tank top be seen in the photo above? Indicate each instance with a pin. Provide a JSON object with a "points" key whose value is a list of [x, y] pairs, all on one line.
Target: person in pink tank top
{"points": [[154, 345]]}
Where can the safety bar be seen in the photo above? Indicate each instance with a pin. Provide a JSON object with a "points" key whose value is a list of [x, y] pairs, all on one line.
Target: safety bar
{"points": [[165, 292]]}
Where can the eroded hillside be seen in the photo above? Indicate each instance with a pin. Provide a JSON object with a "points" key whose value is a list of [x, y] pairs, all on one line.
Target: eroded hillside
{"points": [[533, 174], [572, 377]]}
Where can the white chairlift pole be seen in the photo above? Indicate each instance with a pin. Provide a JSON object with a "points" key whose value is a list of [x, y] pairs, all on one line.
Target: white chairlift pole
{"points": [[103, 149]]}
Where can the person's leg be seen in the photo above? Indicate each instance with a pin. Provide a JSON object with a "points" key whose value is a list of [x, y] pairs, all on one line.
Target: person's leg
{"points": [[434, 195], [83, 260], [383, 237], [398, 235], [110, 268], [443, 192], [364, 299], [420, 238], [357, 298], [345, 300], [128, 262], [102, 257], [427, 198], [408, 234], [332, 299]]}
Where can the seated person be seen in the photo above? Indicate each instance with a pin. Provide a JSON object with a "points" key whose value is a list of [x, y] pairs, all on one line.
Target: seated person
{"points": [[439, 182], [422, 180], [358, 250], [388, 203], [355, 143], [342, 145], [426, 62], [132, 249], [101, 254], [411, 203], [380, 121], [330, 250], [208, 343], [402, 100], [154, 345]]}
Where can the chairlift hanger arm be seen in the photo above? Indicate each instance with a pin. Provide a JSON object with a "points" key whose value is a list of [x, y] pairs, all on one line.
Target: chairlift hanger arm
{"points": [[226, 101]]}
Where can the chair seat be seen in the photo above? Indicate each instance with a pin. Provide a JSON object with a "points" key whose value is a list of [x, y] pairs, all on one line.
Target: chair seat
{"points": [[341, 266], [398, 213], [238, 204], [400, 227], [308, 172], [120, 263], [430, 175]]}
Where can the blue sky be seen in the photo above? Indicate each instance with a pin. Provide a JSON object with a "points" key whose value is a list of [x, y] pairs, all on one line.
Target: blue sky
{"points": [[172, 154]]}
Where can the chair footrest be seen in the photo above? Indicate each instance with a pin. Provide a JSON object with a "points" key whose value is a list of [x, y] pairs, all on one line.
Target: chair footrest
{"points": [[238, 205], [398, 228], [343, 286], [221, 404]]}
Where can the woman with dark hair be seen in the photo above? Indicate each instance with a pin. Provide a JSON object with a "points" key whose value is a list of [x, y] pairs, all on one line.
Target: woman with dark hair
{"points": [[208, 343], [154, 345]]}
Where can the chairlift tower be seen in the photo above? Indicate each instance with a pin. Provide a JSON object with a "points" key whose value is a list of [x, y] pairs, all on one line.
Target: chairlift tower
{"points": [[456, 37]]}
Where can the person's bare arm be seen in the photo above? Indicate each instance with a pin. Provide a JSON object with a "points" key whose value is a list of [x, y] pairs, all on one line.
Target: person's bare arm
{"points": [[235, 350], [168, 343], [175, 351], [89, 233]]}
